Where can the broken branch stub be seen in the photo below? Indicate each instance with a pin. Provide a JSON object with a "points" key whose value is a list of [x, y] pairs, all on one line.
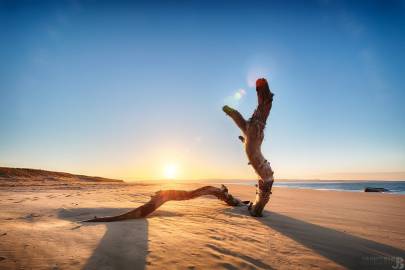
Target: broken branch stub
{"points": [[253, 135]]}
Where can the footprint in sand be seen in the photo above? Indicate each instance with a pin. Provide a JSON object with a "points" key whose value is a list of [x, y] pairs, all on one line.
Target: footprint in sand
{"points": [[31, 216], [20, 201], [75, 263]]}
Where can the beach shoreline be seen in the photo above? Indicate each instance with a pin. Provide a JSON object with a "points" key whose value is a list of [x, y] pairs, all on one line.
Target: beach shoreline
{"points": [[41, 229]]}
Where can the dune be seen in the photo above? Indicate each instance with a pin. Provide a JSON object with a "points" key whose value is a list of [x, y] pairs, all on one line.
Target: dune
{"points": [[19, 177], [41, 228]]}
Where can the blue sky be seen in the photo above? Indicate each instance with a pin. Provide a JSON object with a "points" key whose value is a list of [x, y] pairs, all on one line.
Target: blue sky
{"points": [[122, 89]]}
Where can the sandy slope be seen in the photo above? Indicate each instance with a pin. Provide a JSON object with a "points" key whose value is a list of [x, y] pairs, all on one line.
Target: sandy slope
{"points": [[39, 229]]}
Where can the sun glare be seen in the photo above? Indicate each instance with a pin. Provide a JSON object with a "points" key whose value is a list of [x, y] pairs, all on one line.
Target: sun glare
{"points": [[170, 171]]}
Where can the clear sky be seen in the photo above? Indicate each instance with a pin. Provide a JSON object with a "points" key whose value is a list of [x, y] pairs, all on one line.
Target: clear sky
{"points": [[135, 90]]}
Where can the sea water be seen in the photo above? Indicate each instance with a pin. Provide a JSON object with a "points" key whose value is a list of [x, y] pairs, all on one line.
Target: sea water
{"points": [[396, 187]]}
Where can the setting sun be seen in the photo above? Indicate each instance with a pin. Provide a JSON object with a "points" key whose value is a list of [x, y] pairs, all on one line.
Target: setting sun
{"points": [[170, 171]]}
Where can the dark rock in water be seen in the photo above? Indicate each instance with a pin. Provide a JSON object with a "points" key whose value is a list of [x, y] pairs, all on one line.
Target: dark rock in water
{"points": [[375, 189]]}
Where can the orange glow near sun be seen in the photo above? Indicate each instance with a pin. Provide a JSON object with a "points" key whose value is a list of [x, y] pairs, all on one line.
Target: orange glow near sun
{"points": [[170, 171]]}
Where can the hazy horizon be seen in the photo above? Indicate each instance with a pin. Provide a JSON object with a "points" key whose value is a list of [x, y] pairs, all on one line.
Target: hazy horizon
{"points": [[385, 176], [134, 90]]}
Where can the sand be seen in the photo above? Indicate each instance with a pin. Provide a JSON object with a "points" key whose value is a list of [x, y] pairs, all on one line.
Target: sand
{"points": [[40, 228]]}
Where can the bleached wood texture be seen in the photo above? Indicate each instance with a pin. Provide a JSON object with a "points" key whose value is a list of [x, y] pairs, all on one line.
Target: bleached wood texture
{"points": [[163, 196], [253, 135]]}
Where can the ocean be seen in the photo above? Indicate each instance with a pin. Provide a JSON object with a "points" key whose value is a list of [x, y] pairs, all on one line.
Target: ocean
{"points": [[395, 187]]}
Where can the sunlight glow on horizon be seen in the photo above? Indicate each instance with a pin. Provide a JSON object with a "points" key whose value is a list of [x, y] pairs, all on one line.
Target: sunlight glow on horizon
{"points": [[170, 171]]}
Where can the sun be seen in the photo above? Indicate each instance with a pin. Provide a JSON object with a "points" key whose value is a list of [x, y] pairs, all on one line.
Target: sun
{"points": [[170, 171]]}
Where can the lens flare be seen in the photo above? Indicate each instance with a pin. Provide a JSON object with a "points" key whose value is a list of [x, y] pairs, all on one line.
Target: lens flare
{"points": [[235, 99], [237, 96]]}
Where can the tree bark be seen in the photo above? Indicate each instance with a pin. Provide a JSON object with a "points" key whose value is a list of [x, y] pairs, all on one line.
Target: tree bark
{"points": [[163, 196], [253, 135]]}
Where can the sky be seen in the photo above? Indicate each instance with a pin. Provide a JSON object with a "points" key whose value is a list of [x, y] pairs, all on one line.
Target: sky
{"points": [[134, 90]]}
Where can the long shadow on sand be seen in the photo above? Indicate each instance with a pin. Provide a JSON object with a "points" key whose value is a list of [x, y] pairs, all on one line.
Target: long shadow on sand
{"points": [[347, 250], [124, 244]]}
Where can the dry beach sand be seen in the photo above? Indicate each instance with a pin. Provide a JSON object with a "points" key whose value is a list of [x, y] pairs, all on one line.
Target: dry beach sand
{"points": [[40, 228]]}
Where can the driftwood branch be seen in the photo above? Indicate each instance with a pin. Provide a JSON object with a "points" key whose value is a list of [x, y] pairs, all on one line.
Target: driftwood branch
{"points": [[253, 135], [236, 117], [163, 196]]}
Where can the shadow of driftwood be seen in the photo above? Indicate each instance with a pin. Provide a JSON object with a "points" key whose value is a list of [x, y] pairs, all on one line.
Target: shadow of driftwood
{"points": [[124, 244], [347, 250]]}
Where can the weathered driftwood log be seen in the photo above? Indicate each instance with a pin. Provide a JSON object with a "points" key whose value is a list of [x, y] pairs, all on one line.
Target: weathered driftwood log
{"points": [[253, 134], [163, 196]]}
